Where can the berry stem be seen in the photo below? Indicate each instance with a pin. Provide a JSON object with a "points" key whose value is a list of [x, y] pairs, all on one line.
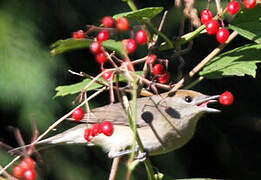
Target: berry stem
{"points": [[170, 44], [206, 60], [132, 5]]}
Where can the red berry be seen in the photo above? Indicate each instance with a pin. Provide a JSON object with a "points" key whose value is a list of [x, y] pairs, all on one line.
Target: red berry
{"points": [[222, 35], [141, 37], [233, 7], [88, 134], [79, 34], [30, 162], [158, 69], [30, 174], [226, 98], [108, 76], [212, 26], [78, 114], [96, 47], [101, 58], [18, 171], [107, 128], [131, 45], [103, 35], [123, 24], [164, 78], [250, 3], [96, 129], [206, 15], [108, 21], [151, 59]]}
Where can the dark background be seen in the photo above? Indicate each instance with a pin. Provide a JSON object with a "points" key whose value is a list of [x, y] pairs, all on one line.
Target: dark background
{"points": [[226, 145]]}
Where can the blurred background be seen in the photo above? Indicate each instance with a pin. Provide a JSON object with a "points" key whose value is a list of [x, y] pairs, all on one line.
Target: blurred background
{"points": [[225, 146]]}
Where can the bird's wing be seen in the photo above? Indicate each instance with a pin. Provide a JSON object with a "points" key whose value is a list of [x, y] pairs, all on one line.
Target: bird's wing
{"points": [[116, 114]]}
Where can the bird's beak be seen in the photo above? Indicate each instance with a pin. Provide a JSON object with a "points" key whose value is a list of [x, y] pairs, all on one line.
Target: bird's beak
{"points": [[203, 102]]}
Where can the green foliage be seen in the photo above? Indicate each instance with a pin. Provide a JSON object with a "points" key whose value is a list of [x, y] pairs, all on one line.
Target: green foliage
{"points": [[70, 44], [26, 69], [141, 13], [248, 24], [77, 87], [239, 62]]}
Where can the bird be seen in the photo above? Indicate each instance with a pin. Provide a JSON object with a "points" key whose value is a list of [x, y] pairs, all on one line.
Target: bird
{"points": [[165, 122]]}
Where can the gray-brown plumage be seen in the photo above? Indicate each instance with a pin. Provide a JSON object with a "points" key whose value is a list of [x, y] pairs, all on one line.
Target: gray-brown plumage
{"points": [[163, 124]]}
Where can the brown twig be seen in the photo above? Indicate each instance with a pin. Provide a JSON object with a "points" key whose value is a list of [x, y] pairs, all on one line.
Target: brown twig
{"points": [[203, 62], [114, 168]]}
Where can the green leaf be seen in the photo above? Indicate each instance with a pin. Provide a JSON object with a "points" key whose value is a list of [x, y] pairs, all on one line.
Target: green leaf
{"points": [[248, 24], [141, 13], [70, 44], [238, 62], [115, 46], [76, 88], [62, 46]]}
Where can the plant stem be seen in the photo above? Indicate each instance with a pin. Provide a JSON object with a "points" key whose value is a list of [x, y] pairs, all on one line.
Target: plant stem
{"points": [[147, 162], [170, 44], [132, 5]]}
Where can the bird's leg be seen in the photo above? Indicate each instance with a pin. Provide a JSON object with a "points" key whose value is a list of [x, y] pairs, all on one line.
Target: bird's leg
{"points": [[122, 153]]}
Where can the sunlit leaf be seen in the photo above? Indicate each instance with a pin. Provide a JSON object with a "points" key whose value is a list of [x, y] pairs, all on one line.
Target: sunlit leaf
{"points": [[239, 62]]}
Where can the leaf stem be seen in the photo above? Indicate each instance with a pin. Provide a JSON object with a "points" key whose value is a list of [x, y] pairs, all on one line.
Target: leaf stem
{"points": [[132, 5], [147, 21]]}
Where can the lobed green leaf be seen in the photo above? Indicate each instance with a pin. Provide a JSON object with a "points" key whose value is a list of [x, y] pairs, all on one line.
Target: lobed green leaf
{"points": [[239, 62], [70, 44], [248, 24]]}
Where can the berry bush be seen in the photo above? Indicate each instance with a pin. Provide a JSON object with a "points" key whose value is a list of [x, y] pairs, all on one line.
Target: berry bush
{"points": [[134, 52]]}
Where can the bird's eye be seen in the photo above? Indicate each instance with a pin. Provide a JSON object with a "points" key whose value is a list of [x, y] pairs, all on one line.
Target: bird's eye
{"points": [[188, 99]]}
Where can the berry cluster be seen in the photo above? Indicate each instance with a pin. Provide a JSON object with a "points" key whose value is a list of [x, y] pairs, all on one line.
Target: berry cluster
{"points": [[158, 70], [110, 25], [26, 169], [213, 26], [106, 128]]}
